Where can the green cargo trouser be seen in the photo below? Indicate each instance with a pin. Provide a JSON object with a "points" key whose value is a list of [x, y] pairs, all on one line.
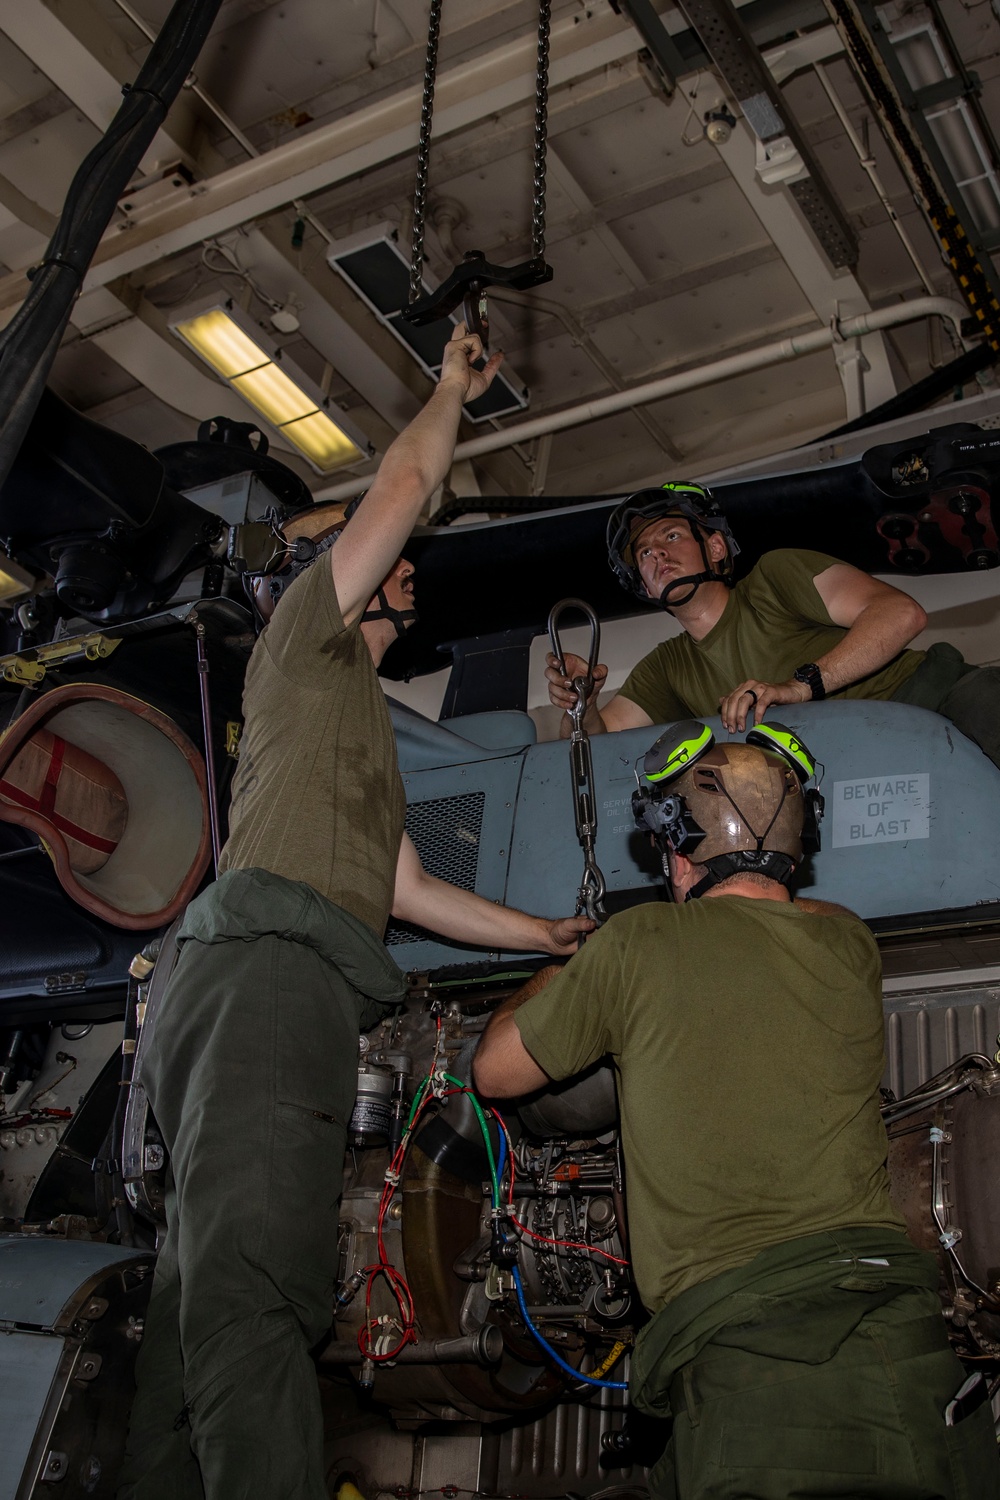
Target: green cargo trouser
{"points": [[867, 1424], [251, 1075], [819, 1369], [968, 696]]}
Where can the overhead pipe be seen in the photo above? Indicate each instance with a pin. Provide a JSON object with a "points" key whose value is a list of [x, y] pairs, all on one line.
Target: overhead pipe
{"points": [[688, 380], [867, 162]]}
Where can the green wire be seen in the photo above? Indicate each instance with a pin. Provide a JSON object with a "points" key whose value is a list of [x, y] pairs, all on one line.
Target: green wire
{"points": [[418, 1099], [484, 1127]]}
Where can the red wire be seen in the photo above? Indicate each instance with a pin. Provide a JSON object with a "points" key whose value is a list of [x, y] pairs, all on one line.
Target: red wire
{"points": [[382, 1267], [569, 1244], [544, 1238]]}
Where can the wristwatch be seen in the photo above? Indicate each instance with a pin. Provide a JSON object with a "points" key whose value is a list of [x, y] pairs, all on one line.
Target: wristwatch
{"points": [[811, 675]]}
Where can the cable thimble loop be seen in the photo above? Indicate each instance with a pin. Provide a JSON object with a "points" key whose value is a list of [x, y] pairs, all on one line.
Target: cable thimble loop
{"points": [[593, 888], [582, 685]]}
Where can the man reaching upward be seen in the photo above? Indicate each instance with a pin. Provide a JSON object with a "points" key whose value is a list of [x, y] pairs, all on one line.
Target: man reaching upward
{"points": [[252, 1069]]}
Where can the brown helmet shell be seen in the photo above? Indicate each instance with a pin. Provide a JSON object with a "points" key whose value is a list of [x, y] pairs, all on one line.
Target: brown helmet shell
{"points": [[317, 522], [739, 793]]}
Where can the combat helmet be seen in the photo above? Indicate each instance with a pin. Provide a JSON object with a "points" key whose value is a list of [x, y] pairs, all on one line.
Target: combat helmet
{"points": [[684, 498], [299, 540], [732, 808]]}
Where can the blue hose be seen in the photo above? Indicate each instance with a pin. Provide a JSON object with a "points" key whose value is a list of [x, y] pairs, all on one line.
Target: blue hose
{"points": [[612, 1385]]}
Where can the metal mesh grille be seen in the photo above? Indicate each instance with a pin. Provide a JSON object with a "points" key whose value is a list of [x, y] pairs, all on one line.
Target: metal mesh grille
{"points": [[446, 833]]}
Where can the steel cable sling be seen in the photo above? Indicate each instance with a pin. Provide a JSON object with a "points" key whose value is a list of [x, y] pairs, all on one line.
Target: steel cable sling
{"points": [[470, 281]]}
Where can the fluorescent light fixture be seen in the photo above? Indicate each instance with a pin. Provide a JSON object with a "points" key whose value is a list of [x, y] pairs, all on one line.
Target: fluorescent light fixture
{"points": [[375, 268], [15, 582], [241, 353]]}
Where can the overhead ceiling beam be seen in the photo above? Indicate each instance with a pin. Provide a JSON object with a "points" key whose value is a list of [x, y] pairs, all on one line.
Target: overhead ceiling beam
{"points": [[867, 380], [591, 314], [465, 95], [25, 210], [745, 74], [74, 47], [30, 116]]}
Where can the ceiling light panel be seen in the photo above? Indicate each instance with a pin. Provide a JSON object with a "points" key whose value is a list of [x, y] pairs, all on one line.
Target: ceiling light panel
{"points": [[375, 268], [239, 352]]}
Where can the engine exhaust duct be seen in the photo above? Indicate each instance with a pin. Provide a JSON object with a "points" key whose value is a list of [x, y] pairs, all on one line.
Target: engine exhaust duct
{"points": [[484, 1347]]}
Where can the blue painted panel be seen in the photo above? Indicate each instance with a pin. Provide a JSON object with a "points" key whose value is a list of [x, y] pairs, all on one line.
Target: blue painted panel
{"points": [[28, 1362], [38, 1276], [912, 813], [912, 819], [497, 782]]}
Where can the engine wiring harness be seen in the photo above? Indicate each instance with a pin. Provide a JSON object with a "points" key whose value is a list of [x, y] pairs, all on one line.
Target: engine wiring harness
{"points": [[382, 1336]]}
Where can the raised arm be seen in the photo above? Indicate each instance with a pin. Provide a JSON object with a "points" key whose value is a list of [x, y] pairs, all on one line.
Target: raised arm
{"points": [[413, 467], [879, 621], [468, 918]]}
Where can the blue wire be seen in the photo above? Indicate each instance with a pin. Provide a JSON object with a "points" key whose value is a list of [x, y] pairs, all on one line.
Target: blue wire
{"points": [[501, 1160], [613, 1385]]}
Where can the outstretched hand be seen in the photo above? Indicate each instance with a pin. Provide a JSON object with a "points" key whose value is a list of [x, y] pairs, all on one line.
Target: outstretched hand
{"points": [[457, 366], [565, 934], [748, 703]]}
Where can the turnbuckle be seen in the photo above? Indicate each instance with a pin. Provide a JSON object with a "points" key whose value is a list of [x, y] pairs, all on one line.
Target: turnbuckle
{"points": [[590, 898]]}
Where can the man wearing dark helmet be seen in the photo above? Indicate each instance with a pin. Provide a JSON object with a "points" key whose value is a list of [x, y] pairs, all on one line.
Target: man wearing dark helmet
{"points": [[799, 625], [795, 1333]]}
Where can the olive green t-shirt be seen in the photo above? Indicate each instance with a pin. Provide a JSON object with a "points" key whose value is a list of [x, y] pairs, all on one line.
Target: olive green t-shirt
{"points": [[317, 794], [748, 1040], [773, 622]]}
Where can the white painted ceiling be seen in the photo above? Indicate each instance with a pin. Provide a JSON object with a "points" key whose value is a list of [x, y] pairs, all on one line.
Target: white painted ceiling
{"points": [[668, 251]]}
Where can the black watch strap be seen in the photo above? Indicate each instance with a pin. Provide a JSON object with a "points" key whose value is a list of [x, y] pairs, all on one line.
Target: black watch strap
{"points": [[811, 675]]}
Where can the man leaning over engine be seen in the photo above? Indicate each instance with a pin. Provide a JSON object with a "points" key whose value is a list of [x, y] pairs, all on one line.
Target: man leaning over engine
{"points": [[251, 1071], [796, 1334], [800, 625]]}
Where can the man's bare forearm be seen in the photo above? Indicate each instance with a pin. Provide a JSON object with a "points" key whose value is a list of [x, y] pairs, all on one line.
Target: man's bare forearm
{"points": [[531, 987], [877, 635], [503, 1068]]}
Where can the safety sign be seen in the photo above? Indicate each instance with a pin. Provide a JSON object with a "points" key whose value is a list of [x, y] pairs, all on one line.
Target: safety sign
{"points": [[881, 810]]}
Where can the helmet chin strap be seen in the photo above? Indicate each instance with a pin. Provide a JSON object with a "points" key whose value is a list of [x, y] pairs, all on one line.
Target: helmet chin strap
{"points": [[708, 575], [400, 619], [694, 579]]}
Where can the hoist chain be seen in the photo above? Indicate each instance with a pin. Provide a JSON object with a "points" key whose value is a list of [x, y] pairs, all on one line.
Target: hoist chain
{"points": [[592, 886], [479, 270], [424, 151], [541, 130]]}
